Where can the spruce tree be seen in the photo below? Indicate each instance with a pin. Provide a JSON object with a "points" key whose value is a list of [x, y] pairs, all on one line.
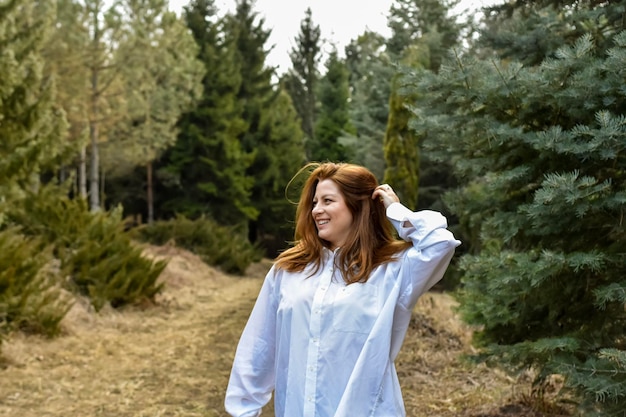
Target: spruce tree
{"points": [[280, 156], [334, 117], [540, 151], [301, 80], [32, 133], [273, 145], [370, 73], [422, 33], [401, 144], [31, 297], [430, 21], [31, 128], [531, 31], [208, 166]]}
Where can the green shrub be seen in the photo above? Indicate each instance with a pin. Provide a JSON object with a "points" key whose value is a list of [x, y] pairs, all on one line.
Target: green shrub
{"points": [[95, 252], [224, 247], [31, 297], [108, 268]]}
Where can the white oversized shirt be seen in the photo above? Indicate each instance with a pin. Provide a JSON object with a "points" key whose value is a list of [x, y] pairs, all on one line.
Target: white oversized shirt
{"points": [[327, 349]]}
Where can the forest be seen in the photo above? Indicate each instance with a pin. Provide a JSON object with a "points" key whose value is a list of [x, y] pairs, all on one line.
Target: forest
{"points": [[122, 122]]}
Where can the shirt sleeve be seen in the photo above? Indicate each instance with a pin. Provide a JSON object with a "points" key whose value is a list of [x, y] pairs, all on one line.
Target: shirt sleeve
{"points": [[433, 247], [252, 376]]}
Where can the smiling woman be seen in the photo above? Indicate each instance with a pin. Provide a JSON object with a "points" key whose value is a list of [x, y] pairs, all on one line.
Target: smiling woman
{"points": [[333, 310], [331, 214]]}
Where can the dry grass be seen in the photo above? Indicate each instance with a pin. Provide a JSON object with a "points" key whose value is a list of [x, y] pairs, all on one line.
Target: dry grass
{"points": [[173, 359]]}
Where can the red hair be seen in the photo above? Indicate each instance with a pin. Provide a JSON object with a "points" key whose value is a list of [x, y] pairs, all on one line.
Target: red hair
{"points": [[371, 241]]}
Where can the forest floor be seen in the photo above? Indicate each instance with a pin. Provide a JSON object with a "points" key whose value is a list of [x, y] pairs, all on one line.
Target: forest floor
{"points": [[174, 358]]}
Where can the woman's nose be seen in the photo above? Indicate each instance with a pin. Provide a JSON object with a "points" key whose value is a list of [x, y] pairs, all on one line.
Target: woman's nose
{"points": [[316, 209]]}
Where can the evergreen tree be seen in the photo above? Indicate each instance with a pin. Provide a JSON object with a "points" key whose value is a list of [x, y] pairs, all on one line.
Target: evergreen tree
{"points": [[31, 129], [429, 29], [205, 172], [273, 146], [401, 143], [370, 71], [162, 79], [301, 81], [255, 93], [281, 156], [334, 117], [429, 21], [105, 104], [32, 143], [529, 32], [65, 55], [540, 154], [31, 299]]}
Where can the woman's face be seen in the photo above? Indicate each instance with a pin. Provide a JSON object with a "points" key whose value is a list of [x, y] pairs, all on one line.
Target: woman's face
{"points": [[332, 217]]}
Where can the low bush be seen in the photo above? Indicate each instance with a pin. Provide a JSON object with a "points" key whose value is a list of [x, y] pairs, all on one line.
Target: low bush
{"points": [[224, 247], [97, 255], [31, 296]]}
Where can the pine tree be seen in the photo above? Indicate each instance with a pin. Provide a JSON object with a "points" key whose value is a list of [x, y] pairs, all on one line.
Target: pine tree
{"points": [[429, 21], [540, 154], [32, 133], [529, 32], [31, 129], [272, 145], [301, 80], [162, 79], [280, 156], [334, 117], [31, 297], [423, 31], [250, 37], [370, 73], [105, 104], [207, 166], [401, 144], [65, 55]]}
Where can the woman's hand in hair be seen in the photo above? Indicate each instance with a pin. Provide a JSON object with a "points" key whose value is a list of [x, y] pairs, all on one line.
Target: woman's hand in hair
{"points": [[385, 195]]}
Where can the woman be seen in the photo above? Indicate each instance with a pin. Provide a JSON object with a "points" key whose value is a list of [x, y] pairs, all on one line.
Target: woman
{"points": [[334, 309]]}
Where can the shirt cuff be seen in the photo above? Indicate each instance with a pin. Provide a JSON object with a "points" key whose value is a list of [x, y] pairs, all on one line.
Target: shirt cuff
{"points": [[398, 212]]}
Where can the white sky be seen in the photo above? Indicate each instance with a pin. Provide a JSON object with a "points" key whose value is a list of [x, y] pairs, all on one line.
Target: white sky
{"points": [[340, 21]]}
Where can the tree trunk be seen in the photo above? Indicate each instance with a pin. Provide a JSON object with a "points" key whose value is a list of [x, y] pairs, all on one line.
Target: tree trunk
{"points": [[150, 195], [94, 197], [102, 193], [82, 173]]}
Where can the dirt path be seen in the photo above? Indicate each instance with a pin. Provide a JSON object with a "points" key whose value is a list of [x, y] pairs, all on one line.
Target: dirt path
{"points": [[167, 360], [174, 359]]}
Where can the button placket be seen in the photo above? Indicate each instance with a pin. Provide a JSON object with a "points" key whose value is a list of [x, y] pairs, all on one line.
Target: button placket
{"points": [[315, 328]]}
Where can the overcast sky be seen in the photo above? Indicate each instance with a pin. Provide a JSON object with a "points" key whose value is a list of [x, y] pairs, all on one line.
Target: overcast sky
{"points": [[339, 20]]}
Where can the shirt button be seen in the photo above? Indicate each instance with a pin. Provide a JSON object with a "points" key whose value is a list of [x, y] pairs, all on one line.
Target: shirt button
{"points": [[310, 399]]}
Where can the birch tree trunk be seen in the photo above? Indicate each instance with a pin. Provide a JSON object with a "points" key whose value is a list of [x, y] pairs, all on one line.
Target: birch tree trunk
{"points": [[82, 172], [150, 195], [94, 196]]}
